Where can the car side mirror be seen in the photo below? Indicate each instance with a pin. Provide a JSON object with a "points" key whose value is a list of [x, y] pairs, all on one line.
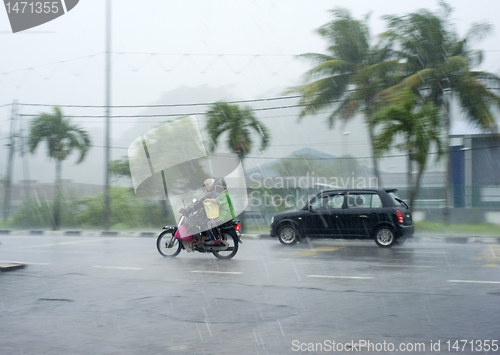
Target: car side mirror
{"points": [[309, 207]]}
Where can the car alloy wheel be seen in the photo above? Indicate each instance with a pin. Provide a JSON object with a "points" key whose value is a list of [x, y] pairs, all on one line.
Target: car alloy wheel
{"points": [[287, 235], [385, 237]]}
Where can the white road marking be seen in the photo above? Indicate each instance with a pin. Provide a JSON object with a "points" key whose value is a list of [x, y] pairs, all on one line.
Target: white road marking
{"points": [[25, 262], [343, 277], [476, 282], [217, 272], [396, 265], [68, 243], [119, 267], [421, 252]]}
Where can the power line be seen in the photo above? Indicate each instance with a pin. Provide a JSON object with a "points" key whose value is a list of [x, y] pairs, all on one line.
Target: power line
{"points": [[211, 103], [333, 157], [202, 113], [54, 63], [153, 54], [211, 54], [368, 157], [166, 105], [172, 54]]}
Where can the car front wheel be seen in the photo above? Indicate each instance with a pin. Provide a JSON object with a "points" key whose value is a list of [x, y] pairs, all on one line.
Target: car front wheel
{"points": [[287, 235], [384, 237]]}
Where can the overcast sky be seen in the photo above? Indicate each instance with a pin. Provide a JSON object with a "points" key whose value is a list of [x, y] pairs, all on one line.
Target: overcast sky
{"points": [[196, 51]]}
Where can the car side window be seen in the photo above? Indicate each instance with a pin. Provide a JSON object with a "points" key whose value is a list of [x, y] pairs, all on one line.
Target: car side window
{"points": [[335, 201], [316, 203], [376, 201], [328, 202], [364, 200]]}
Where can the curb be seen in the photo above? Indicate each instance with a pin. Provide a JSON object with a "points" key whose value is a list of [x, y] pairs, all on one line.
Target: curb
{"points": [[78, 233], [4, 267]]}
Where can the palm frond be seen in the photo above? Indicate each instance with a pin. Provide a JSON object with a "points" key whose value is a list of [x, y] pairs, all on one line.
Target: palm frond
{"points": [[330, 68], [316, 57], [453, 65], [262, 130], [376, 70], [322, 93], [476, 100], [411, 82]]}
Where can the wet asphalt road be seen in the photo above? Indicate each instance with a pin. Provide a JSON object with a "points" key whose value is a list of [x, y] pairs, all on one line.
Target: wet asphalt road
{"points": [[97, 295]]}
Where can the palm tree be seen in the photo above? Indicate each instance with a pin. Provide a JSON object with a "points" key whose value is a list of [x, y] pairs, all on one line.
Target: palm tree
{"points": [[350, 76], [417, 127], [238, 123], [437, 62], [62, 138], [438, 65]]}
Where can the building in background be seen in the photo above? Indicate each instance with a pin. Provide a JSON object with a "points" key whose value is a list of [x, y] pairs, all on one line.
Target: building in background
{"points": [[475, 167]]}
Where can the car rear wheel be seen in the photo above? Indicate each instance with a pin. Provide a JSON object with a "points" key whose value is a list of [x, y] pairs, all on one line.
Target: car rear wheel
{"points": [[287, 235], [384, 237]]}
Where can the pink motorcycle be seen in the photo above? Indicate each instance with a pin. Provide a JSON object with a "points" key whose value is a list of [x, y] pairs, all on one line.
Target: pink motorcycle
{"points": [[173, 239]]}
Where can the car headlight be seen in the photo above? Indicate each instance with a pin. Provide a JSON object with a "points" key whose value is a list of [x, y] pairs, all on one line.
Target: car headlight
{"points": [[272, 219]]}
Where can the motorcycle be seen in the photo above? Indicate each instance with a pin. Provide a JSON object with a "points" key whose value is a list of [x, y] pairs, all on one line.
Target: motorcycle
{"points": [[170, 243]]}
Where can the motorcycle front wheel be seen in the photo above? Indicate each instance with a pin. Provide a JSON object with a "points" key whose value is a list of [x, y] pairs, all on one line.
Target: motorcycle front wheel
{"points": [[167, 245], [231, 250]]}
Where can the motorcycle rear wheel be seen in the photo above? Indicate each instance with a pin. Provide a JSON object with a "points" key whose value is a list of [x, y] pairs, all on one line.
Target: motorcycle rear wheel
{"points": [[233, 245], [167, 245]]}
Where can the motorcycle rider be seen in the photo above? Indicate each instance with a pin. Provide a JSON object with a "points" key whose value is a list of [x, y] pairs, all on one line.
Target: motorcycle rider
{"points": [[201, 218]]}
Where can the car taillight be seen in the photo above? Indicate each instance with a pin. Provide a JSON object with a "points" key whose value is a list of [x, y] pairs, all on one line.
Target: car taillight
{"points": [[400, 216]]}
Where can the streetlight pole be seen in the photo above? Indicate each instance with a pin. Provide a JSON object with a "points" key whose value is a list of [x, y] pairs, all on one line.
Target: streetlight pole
{"points": [[107, 209], [10, 163]]}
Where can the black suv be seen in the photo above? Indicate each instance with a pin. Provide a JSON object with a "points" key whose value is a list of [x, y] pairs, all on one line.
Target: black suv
{"points": [[349, 214]]}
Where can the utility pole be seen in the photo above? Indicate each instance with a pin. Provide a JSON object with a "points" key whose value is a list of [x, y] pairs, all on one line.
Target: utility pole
{"points": [[107, 208], [10, 163], [26, 168]]}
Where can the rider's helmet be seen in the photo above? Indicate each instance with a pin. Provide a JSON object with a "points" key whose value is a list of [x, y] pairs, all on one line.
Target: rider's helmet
{"points": [[208, 184]]}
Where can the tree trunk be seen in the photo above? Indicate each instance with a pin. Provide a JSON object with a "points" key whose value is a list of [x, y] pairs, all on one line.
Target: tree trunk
{"points": [[371, 134], [242, 218], [408, 174], [56, 221], [416, 187]]}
